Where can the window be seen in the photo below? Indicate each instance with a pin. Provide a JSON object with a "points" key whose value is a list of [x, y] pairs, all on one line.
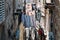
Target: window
{"points": [[2, 11]]}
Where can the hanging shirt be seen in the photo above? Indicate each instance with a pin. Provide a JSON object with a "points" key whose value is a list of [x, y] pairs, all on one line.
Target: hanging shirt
{"points": [[17, 34], [26, 20], [20, 16], [40, 32], [51, 36], [38, 16], [23, 17], [32, 20]]}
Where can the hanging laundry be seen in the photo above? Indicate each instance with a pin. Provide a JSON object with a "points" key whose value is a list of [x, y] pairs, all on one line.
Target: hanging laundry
{"points": [[19, 18], [27, 33], [32, 20], [40, 32], [22, 30], [33, 33], [38, 15], [23, 18], [17, 34], [51, 36], [26, 20]]}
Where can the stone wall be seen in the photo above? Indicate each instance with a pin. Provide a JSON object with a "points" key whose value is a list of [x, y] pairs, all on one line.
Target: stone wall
{"points": [[56, 20], [8, 16]]}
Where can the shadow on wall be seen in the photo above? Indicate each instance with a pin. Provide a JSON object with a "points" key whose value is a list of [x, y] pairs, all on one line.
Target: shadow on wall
{"points": [[2, 32]]}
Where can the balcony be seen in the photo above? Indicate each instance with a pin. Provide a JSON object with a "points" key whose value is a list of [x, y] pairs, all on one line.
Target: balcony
{"points": [[49, 4]]}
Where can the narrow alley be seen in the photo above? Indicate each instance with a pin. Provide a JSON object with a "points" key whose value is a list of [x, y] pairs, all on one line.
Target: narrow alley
{"points": [[29, 19]]}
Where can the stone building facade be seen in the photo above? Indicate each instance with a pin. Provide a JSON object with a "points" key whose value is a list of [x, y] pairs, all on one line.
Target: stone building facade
{"points": [[8, 18], [54, 17], [56, 20]]}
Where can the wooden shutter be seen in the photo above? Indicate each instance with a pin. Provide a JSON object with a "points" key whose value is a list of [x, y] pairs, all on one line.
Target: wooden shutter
{"points": [[2, 12]]}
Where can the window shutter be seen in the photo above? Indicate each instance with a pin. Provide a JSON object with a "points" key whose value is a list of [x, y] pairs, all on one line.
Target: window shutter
{"points": [[2, 11]]}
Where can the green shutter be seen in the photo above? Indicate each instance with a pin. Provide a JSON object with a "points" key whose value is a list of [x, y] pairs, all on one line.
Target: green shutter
{"points": [[2, 11]]}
